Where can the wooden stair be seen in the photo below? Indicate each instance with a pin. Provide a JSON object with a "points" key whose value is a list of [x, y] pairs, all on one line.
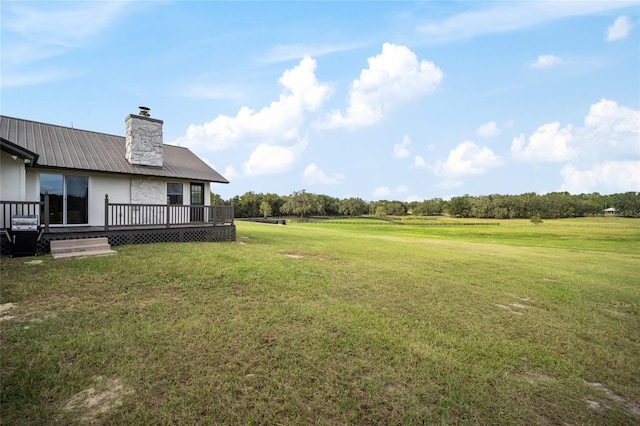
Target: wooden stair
{"points": [[62, 249]]}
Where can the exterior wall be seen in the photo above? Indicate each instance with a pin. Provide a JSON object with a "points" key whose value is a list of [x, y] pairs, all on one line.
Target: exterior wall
{"points": [[207, 192], [120, 188], [13, 177]]}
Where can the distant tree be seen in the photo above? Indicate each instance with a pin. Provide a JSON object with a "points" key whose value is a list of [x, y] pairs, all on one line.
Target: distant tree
{"points": [[247, 205], [431, 207], [460, 206], [215, 199], [396, 208], [381, 211], [301, 203], [265, 208], [628, 203], [536, 220], [330, 206], [352, 207]]}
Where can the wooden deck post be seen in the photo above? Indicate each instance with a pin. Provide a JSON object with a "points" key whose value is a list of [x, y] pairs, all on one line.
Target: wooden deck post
{"points": [[106, 212], [168, 213]]}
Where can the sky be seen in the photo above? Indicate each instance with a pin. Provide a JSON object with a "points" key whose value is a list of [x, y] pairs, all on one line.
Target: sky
{"points": [[378, 100]]}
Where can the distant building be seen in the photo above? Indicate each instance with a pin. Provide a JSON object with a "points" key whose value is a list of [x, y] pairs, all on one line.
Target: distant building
{"points": [[611, 211]]}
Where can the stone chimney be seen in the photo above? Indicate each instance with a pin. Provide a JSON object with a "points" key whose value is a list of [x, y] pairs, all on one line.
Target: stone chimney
{"points": [[143, 139]]}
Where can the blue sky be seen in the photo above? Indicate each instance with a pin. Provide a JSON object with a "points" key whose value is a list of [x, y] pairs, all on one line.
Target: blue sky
{"points": [[378, 100]]}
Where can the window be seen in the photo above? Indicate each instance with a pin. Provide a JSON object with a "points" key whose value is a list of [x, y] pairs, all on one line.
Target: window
{"points": [[68, 199], [174, 193]]}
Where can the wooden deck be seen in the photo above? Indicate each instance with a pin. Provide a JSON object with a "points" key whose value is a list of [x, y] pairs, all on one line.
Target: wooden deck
{"points": [[202, 232], [127, 224]]}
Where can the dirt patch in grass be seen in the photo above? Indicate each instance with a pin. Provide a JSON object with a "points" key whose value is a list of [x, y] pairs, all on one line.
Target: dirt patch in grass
{"points": [[519, 305], [520, 297], [7, 313], [293, 255], [629, 406], [5, 308], [315, 256], [508, 308], [101, 397], [537, 377]]}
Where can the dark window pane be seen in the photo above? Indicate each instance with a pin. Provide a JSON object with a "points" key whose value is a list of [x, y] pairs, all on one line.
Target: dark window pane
{"points": [[196, 193], [75, 210], [54, 186], [77, 199], [174, 192]]}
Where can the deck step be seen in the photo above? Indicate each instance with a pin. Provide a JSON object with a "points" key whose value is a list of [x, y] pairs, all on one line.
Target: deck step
{"points": [[81, 247]]}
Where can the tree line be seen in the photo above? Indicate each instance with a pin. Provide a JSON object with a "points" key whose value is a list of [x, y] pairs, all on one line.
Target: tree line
{"points": [[548, 206]]}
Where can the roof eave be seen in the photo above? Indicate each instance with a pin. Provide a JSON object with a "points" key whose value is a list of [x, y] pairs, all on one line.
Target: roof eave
{"points": [[11, 148]]}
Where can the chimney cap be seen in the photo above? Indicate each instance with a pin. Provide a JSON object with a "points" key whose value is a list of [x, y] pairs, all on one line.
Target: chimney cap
{"points": [[144, 111]]}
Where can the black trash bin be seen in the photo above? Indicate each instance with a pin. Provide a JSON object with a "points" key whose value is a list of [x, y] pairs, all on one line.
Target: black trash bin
{"points": [[24, 235]]}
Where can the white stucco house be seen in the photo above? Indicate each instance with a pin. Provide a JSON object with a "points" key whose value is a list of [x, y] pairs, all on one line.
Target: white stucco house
{"points": [[131, 188]]}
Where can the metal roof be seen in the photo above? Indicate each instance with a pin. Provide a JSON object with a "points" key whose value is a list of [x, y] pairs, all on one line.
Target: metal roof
{"points": [[75, 149]]}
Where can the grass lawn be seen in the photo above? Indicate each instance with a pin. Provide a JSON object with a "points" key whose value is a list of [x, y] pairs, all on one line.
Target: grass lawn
{"points": [[332, 323]]}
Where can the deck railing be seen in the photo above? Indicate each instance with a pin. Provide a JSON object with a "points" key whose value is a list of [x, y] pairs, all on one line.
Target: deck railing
{"points": [[8, 209], [167, 215], [126, 215]]}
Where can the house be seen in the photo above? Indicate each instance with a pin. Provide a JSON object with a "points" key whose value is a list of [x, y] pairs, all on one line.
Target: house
{"points": [[83, 184], [611, 211]]}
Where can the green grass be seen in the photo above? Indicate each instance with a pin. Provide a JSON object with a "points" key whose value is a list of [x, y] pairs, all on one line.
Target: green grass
{"points": [[375, 324]]}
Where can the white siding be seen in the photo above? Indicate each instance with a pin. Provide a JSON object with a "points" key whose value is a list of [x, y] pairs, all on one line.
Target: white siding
{"points": [[13, 177], [19, 184], [118, 189]]}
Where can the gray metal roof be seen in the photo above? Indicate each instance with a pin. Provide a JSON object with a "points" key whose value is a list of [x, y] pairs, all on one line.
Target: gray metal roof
{"points": [[68, 148]]}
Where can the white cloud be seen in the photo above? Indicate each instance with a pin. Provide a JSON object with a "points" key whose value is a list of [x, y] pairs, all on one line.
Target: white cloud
{"points": [[381, 192], [207, 91], [603, 156], [273, 159], [70, 27], [610, 131], [619, 29], [419, 163], [279, 121], [465, 160], [50, 29], [549, 143], [230, 173], [614, 122], [488, 130], [545, 62], [413, 197], [400, 149], [606, 177], [393, 78], [287, 52], [21, 79], [502, 17], [314, 175]]}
